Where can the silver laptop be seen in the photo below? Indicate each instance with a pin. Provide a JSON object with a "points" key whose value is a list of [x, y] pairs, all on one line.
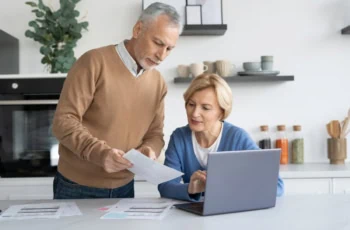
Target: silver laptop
{"points": [[238, 181]]}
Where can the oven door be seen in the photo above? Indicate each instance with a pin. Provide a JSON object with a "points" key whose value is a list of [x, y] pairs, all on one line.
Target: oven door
{"points": [[27, 145]]}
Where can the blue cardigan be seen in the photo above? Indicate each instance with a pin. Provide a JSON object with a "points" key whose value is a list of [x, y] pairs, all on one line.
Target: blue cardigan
{"points": [[180, 156]]}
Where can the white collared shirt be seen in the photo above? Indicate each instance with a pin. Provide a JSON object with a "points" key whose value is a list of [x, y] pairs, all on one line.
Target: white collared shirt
{"points": [[128, 61]]}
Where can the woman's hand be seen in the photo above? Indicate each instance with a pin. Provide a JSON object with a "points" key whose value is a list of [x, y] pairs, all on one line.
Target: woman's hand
{"points": [[197, 182]]}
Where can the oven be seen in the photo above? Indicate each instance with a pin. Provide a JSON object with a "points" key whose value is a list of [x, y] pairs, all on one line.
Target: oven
{"points": [[27, 145]]}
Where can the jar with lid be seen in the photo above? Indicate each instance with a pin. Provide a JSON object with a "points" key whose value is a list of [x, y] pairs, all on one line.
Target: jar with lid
{"points": [[282, 143], [265, 139], [297, 145]]}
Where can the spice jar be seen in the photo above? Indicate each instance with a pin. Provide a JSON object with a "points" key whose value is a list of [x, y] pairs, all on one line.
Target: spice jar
{"points": [[297, 145], [265, 140], [282, 143]]}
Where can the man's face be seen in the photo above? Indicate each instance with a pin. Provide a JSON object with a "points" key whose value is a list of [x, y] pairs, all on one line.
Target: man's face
{"points": [[154, 41]]}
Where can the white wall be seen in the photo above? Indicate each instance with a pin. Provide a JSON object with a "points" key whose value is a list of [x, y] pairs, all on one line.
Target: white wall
{"points": [[303, 36]]}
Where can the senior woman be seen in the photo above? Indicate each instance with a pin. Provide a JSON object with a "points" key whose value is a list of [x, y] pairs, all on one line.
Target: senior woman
{"points": [[208, 102]]}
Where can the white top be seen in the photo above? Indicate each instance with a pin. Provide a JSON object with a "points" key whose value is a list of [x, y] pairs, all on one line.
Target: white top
{"points": [[128, 61], [303, 212], [202, 153]]}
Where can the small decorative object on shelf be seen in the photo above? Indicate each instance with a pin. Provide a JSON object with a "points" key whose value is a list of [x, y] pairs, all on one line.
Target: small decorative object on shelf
{"points": [[346, 30], [200, 17]]}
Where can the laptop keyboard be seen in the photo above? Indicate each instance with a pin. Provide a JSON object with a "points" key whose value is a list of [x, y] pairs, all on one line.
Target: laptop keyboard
{"points": [[198, 206]]}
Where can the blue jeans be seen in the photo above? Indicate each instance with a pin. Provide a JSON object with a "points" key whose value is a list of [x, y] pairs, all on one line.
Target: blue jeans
{"points": [[64, 188]]}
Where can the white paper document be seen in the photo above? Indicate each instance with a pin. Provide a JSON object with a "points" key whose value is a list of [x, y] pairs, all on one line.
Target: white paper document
{"points": [[149, 169], [40, 211], [150, 209], [32, 211]]}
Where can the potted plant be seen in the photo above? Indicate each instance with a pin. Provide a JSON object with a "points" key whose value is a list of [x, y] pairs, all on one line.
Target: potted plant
{"points": [[58, 32]]}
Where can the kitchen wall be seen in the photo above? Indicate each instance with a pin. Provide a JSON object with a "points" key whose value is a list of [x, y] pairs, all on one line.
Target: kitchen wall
{"points": [[303, 36]]}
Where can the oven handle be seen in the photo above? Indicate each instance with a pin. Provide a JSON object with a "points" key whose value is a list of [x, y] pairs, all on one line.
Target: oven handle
{"points": [[29, 102]]}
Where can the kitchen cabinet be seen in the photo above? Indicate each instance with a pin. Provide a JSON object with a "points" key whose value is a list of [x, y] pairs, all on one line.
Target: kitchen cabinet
{"points": [[341, 185], [307, 178], [307, 186]]}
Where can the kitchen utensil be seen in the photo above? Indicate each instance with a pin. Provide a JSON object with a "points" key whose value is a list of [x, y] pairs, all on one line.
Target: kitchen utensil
{"points": [[344, 127], [329, 131], [335, 128]]}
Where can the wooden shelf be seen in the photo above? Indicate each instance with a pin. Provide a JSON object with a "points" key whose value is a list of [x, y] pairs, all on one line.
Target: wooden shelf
{"points": [[197, 30], [346, 30], [242, 79]]}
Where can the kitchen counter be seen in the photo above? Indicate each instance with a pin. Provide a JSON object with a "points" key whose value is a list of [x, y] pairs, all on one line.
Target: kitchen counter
{"points": [[308, 170], [314, 170], [304, 212]]}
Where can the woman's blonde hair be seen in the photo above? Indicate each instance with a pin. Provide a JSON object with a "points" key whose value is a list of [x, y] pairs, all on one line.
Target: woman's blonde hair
{"points": [[222, 90]]}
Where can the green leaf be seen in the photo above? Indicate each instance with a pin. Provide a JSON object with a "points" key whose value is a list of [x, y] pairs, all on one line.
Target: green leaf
{"points": [[32, 4], [29, 34], [84, 25], [76, 13], [39, 14], [45, 50], [33, 24]]}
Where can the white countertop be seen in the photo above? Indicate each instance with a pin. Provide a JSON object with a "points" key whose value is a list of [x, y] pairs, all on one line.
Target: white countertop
{"points": [[309, 170], [306, 212]]}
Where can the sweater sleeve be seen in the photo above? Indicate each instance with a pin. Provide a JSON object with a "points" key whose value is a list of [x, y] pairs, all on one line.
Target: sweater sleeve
{"points": [[247, 143], [154, 135], [76, 97], [174, 188]]}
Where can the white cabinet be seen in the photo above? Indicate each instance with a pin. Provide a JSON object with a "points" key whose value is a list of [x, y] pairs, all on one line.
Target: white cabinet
{"points": [[41, 189], [307, 186], [341, 185]]}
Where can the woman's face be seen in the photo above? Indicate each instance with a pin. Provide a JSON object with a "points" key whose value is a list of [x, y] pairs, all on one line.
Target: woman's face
{"points": [[203, 111]]}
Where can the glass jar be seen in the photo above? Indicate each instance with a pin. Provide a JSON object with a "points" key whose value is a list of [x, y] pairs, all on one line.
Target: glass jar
{"points": [[282, 143], [297, 145], [265, 140]]}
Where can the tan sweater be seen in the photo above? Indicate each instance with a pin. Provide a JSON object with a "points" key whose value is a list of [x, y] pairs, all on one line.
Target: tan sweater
{"points": [[103, 106]]}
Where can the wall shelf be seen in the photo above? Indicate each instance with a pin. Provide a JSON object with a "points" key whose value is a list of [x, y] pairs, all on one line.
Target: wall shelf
{"points": [[198, 30], [242, 79], [346, 30]]}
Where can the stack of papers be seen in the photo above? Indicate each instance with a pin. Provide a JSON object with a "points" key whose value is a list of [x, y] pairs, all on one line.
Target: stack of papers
{"points": [[44, 210], [151, 209]]}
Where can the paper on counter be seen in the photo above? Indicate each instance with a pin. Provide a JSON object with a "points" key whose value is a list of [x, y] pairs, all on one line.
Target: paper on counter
{"points": [[150, 209], [149, 169], [43, 210], [32, 211]]}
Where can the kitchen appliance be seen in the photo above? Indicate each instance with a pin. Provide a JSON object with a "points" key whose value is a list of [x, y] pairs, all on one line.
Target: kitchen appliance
{"points": [[27, 145], [9, 54]]}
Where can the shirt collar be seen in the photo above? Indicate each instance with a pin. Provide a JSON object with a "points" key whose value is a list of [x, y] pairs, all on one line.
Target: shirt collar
{"points": [[128, 61]]}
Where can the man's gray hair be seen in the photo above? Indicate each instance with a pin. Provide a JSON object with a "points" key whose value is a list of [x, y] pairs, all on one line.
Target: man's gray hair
{"points": [[158, 8]]}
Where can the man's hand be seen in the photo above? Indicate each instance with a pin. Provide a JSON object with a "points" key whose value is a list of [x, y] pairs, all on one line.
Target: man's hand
{"points": [[197, 182], [148, 152], [115, 162]]}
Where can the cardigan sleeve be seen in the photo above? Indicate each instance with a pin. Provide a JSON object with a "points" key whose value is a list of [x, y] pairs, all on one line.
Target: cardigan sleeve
{"points": [[174, 188]]}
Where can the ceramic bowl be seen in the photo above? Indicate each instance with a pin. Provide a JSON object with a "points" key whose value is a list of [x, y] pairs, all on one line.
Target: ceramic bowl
{"points": [[251, 66]]}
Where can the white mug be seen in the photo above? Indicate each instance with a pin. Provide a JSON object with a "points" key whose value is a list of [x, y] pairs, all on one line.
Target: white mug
{"points": [[197, 69]]}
